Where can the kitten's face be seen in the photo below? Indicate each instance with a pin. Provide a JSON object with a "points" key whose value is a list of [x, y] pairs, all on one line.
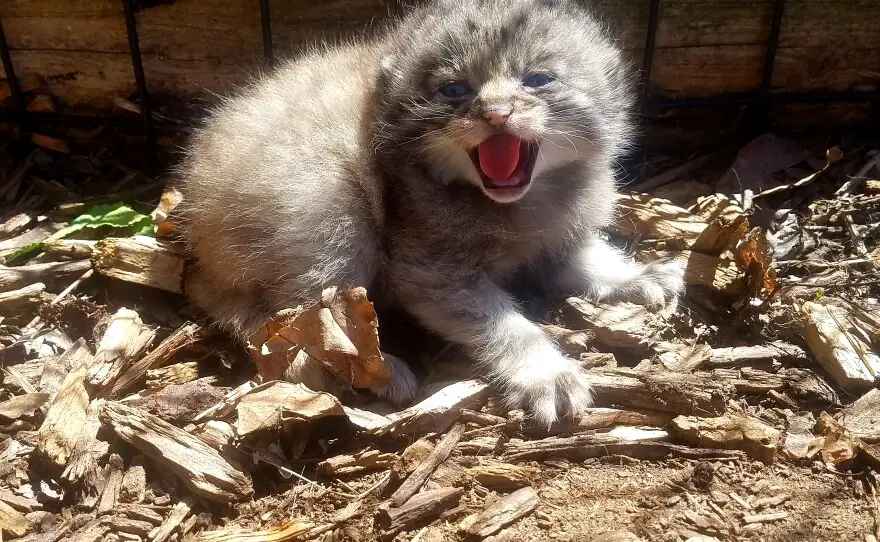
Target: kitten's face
{"points": [[496, 93]]}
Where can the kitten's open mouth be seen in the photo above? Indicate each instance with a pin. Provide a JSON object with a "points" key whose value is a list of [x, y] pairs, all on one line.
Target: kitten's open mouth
{"points": [[505, 163]]}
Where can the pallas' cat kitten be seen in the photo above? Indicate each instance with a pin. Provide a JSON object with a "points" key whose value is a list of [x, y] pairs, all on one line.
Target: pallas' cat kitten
{"points": [[471, 144]]}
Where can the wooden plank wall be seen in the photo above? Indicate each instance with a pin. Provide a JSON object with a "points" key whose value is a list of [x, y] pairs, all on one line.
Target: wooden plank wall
{"points": [[198, 48]]}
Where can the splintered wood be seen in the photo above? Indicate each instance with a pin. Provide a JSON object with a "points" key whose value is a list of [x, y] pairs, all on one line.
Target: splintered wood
{"points": [[141, 260], [200, 467]]}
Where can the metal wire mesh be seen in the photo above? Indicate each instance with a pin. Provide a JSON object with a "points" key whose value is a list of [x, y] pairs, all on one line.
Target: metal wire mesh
{"points": [[758, 100]]}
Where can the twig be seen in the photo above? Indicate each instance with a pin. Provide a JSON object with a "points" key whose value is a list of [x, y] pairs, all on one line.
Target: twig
{"points": [[423, 471]]}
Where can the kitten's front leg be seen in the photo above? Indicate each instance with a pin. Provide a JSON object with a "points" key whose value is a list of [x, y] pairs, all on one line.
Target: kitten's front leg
{"points": [[520, 360], [601, 272]]}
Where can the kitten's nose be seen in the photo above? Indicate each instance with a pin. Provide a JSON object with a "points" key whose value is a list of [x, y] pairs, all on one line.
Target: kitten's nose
{"points": [[497, 115]]}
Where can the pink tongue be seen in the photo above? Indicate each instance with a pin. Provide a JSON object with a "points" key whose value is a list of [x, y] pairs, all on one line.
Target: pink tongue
{"points": [[499, 156]]}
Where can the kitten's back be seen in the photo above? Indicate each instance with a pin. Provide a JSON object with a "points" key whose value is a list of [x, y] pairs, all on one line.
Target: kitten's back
{"points": [[280, 202]]}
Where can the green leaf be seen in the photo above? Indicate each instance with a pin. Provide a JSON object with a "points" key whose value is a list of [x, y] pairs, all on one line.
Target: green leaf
{"points": [[113, 215], [24, 253]]}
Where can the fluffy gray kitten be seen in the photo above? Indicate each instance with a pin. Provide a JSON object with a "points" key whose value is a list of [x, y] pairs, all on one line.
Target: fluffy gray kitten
{"points": [[469, 145]]}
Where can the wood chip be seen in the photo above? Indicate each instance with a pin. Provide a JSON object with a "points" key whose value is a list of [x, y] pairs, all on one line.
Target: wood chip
{"points": [[836, 341], [200, 467], [499, 475], [178, 373], [12, 278], [419, 476], [421, 508], [661, 391], [294, 529], [110, 496], [503, 512], [438, 412], [12, 521], [361, 462], [187, 334], [863, 417], [141, 260], [581, 447], [125, 339], [765, 518], [24, 300], [731, 432], [67, 414], [22, 405], [172, 522], [621, 325]]}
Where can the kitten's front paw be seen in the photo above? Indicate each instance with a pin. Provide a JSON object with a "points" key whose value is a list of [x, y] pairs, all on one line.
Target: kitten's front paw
{"points": [[404, 384], [549, 386], [659, 284]]}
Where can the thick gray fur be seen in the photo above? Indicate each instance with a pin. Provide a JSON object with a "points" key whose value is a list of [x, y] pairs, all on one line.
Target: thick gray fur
{"points": [[347, 167]]}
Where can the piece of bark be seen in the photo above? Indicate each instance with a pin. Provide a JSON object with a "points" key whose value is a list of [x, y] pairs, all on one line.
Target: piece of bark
{"points": [[141, 260], [365, 420], [863, 417], [15, 225], [621, 325], [504, 512], [200, 467], [360, 462], [12, 521], [835, 339], [110, 496], [681, 357], [602, 418], [761, 354], [67, 414], [572, 343], [839, 445], [180, 404], [22, 504], [55, 370], [22, 405], [802, 384], [499, 475], [215, 433], [187, 334], [23, 300], [291, 530], [731, 432], [226, 406], [70, 249], [12, 278], [83, 467], [419, 476], [622, 536], [582, 447], [412, 456], [438, 412], [661, 391], [172, 522], [421, 508], [764, 518], [134, 485], [178, 373], [125, 339]]}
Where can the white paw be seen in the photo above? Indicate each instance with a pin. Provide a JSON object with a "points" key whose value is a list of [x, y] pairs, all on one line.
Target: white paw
{"points": [[547, 385], [403, 386], [658, 284]]}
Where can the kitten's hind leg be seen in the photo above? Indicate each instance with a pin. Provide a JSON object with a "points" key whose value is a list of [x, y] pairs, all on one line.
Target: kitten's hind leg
{"points": [[601, 272]]}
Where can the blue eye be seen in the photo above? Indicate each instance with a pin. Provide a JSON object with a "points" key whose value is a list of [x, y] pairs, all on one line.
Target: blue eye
{"points": [[538, 80], [455, 90]]}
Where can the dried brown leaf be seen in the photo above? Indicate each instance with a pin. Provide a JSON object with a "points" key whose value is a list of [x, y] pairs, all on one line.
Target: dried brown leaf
{"points": [[341, 332], [269, 406], [754, 255]]}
